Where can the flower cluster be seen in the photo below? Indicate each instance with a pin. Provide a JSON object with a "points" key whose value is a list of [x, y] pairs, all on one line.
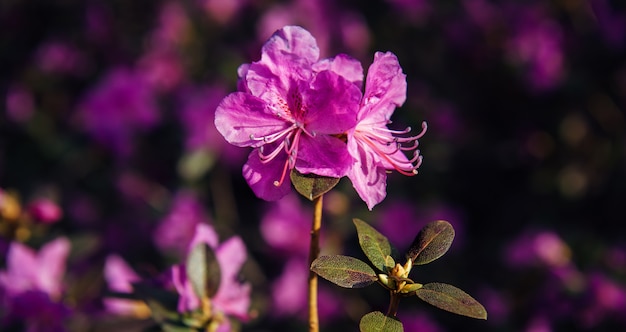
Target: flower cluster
{"points": [[305, 114], [188, 228]]}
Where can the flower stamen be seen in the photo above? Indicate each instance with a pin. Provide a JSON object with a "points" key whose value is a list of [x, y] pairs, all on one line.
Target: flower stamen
{"points": [[377, 138]]}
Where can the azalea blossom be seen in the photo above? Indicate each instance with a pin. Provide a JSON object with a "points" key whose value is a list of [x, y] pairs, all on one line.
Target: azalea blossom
{"points": [[293, 117], [374, 146], [232, 297], [32, 284]]}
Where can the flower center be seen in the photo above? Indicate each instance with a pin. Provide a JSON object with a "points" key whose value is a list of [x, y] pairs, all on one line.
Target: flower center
{"points": [[287, 139]]}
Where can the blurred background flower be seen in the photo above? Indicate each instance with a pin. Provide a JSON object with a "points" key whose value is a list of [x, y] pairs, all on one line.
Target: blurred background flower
{"points": [[107, 140]]}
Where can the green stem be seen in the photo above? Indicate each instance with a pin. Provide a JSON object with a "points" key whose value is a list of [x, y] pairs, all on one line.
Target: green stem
{"points": [[393, 304], [313, 253]]}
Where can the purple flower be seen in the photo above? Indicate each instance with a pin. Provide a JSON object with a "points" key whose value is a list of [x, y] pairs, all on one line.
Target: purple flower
{"points": [[178, 228], [32, 285], [290, 114], [232, 297], [197, 114], [120, 105], [537, 44], [375, 147], [539, 247], [286, 226], [289, 293], [605, 298]]}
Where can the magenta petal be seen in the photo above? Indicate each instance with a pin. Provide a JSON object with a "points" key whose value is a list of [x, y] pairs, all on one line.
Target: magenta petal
{"points": [[292, 41], [332, 104], [204, 233], [187, 300], [343, 65], [240, 117], [368, 179], [232, 297], [118, 274], [385, 86], [286, 57], [231, 255], [323, 155], [261, 176], [52, 259], [22, 269]]}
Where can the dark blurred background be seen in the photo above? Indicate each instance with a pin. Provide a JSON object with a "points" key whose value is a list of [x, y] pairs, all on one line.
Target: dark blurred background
{"points": [[108, 111]]}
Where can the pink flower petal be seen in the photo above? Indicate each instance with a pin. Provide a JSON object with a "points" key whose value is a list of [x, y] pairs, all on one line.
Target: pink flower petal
{"points": [[343, 65], [261, 176], [240, 117], [52, 258], [385, 87], [290, 41], [369, 182], [323, 155], [332, 104]]}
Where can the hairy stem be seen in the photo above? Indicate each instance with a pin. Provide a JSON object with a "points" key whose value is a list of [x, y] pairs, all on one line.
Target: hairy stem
{"points": [[313, 253]]}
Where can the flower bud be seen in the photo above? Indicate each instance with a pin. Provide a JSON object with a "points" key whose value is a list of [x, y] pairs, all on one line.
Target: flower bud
{"points": [[45, 211]]}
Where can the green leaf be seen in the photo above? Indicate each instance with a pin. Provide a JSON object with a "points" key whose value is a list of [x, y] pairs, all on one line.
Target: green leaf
{"points": [[193, 165], [375, 245], [344, 271], [312, 186], [377, 322], [452, 299], [431, 242], [203, 270]]}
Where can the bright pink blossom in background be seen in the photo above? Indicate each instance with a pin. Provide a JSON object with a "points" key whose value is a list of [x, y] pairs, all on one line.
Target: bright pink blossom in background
{"points": [[32, 285], [291, 115], [232, 297], [289, 293], [286, 227]]}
